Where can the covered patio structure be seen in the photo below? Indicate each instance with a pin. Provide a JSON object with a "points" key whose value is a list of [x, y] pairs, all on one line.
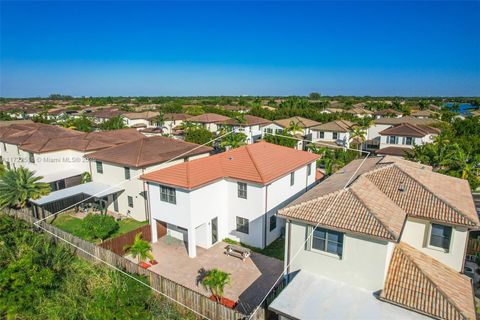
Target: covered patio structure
{"points": [[95, 194]]}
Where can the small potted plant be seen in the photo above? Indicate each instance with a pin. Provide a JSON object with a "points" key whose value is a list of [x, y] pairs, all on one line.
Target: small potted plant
{"points": [[215, 280]]}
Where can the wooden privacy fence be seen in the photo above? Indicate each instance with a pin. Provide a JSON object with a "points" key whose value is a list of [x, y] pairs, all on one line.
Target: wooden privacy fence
{"points": [[118, 244], [185, 296]]}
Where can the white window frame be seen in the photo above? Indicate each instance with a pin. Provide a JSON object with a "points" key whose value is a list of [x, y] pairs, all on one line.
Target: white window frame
{"points": [[242, 223], [325, 252], [166, 194], [242, 190], [292, 178]]}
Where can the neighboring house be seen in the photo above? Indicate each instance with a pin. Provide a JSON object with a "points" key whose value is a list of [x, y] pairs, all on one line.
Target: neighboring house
{"points": [[400, 138], [387, 113], [304, 129], [373, 132], [208, 121], [332, 110], [335, 133], [424, 114], [105, 114], [239, 109], [234, 194], [122, 166], [252, 127], [360, 112], [170, 121], [140, 119], [380, 230], [56, 153]]}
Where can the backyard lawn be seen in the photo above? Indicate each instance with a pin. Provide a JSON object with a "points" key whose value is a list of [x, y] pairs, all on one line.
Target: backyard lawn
{"points": [[73, 225]]}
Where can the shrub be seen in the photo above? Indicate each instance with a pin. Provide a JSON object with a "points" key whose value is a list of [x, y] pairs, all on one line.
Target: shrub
{"points": [[97, 226]]}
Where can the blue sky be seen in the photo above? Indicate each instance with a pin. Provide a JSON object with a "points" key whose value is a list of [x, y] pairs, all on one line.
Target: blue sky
{"points": [[235, 48]]}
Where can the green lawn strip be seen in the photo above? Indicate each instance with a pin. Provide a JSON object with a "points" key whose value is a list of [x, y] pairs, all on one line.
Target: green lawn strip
{"points": [[275, 250], [73, 226], [127, 225]]}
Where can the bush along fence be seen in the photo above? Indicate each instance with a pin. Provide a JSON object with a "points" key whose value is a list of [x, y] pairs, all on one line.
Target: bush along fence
{"points": [[118, 244], [185, 296]]}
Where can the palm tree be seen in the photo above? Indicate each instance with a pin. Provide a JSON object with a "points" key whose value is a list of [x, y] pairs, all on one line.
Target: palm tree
{"points": [[358, 134], [294, 127], [216, 280], [233, 140], [17, 186], [86, 177], [140, 248]]}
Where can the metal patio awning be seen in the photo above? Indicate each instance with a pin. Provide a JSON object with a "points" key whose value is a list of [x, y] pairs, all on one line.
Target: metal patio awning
{"points": [[96, 189]]}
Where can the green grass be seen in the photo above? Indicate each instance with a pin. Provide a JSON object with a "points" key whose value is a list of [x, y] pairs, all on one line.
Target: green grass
{"points": [[127, 225], [276, 249], [71, 225], [74, 226]]}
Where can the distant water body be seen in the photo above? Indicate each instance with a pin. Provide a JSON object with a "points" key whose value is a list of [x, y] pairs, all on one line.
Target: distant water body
{"points": [[465, 108]]}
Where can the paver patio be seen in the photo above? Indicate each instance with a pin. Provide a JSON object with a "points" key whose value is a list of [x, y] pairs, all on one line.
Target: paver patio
{"points": [[250, 279]]}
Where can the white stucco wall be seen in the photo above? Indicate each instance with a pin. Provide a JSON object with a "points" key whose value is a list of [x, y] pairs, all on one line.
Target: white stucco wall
{"points": [[417, 233], [363, 264]]}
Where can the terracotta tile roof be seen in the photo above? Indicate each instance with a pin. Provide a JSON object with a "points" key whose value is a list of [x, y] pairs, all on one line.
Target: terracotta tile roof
{"points": [[424, 113], [148, 151], [10, 122], [407, 119], [174, 116], [47, 138], [335, 126], [427, 194], [388, 111], [208, 118], [141, 115], [249, 121], [387, 187], [335, 110], [302, 122], [359, 111], [106, 113], [261, 163], [419, 282], [393, 151], [353, 210], [409, 130]]}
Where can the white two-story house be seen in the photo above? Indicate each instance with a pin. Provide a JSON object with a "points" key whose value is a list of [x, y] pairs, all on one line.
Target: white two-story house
{"points": [[400, 138], [123, 165], [336, 133], [299, 127], [380, 230], [208, 121], [234, 194], [251, 126]]}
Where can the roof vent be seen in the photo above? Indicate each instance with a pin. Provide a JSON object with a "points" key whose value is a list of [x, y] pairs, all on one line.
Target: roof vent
{"points": [[230, 158], [402, 187]]}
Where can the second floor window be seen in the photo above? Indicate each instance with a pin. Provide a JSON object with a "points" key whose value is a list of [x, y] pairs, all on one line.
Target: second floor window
{"points": [[440, 236], [309, 169], [99, 166], [328, 241], [31, 157], [4, 146], [292, 178], [130, 201], [335, 135], [408, 141], [127, 173], [168, 194], [392, 140], [242, 190], [321, 135]]}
